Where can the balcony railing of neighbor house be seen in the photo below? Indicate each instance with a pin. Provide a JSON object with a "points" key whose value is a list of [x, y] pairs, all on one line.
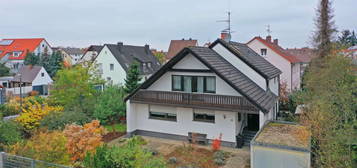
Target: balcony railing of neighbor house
{"points": [[194, 100]]}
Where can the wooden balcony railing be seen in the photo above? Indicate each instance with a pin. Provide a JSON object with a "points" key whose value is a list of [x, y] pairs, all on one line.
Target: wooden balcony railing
{"points": [[194, 100]]}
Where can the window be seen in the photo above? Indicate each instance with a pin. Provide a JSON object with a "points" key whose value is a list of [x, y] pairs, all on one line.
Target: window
{"points": [[111, 67], [43, 45], [109, 78], [199, 84], [239, 116], [263, 52], [16, 53], [162, 116], [42, 74], [204, 116]]}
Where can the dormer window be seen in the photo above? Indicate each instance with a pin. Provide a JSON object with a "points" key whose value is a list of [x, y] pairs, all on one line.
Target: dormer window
{"points": [[16, 53], [263, 52]]}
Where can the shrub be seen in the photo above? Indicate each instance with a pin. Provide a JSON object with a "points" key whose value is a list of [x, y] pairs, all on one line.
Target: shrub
{"points": [[33, 112], [219, 157], [46, 146], [83, 139], [110, 105], [129, 155], [9, 133], [59, 120], [7, 110]]}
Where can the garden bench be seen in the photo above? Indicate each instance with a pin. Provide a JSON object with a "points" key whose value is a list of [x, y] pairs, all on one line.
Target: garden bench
{"points": [[197, 138]]}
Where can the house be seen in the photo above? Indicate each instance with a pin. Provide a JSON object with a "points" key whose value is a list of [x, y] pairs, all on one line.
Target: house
{"points": [[91, 53], [31, 78], [177, 45], [225, 88], [71, 55], [13, 51], [291, 62], [114, 60]]}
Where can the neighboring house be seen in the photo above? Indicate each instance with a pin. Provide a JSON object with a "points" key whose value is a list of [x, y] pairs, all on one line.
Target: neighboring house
{"points": [[91, 53], [70, 55], [177, 45], [31, 78], [114, 60], [305, 55], [291, 65], [5, 81], [351, 53], [13, 51], [225, 89]]}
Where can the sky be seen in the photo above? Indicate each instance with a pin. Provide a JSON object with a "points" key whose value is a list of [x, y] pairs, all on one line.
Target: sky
{"points": [[80, 23]]}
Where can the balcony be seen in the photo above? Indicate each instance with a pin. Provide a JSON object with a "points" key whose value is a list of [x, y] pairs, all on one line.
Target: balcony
{"points": [[194, 100]]}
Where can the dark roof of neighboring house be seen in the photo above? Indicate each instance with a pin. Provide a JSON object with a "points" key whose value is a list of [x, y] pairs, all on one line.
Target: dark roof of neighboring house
{"points": [[96, 48], [276, 48], [73, 51], [128, 54], [177, 45], [28, 73], [264, 100], [251, 58]]}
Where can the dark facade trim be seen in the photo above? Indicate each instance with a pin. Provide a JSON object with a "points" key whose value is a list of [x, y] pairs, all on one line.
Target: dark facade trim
{"points": [[172, 137]]}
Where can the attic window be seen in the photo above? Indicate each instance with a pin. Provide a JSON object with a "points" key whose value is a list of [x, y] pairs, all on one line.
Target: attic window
{"points": [[111, 67], [263, 52], [17, 53], [42, 74]]}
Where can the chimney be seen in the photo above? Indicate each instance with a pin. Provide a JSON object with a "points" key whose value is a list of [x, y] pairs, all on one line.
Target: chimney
{"points": [[225, 36], [190, 38], [120, 45], [276, 42], [147, 48], [268, 39]]}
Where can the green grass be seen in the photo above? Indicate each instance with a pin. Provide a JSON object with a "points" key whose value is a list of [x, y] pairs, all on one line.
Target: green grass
{"points": [[117, 127]]}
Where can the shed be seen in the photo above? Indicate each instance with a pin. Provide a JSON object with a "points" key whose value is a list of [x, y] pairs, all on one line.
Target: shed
{"points": [[281, 144]]}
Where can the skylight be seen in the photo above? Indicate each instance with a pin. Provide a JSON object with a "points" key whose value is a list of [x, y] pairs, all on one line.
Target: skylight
{"points": [[6, 42]]}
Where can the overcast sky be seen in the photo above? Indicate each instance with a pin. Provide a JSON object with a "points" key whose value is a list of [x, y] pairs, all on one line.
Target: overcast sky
{"points": [[81, 23]]}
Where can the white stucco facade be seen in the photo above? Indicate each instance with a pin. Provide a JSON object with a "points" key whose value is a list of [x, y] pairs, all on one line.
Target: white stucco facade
{"points": [[290, 71], [104, 61], [225, 122], [42, 78]]}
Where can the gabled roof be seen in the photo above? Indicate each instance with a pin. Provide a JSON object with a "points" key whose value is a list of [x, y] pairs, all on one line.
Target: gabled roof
{"points": [[128, 54], [305, 55], [263, 100], [73, 51], [177, 45], [96, 48], [277, 49], [250, 57], [21, 45], [28, 73]]}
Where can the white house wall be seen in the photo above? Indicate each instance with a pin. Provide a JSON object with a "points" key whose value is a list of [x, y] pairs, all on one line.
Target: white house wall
{"points": [[40, 49], [274, 85], [296, 76], [225, 123], [275, 59], [105, 58], [89, 55], [190, 62], [39, 80], [240, 65]]}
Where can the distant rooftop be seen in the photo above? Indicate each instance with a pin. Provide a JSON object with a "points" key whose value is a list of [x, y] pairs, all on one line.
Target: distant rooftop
{"points": [[177, 45]]}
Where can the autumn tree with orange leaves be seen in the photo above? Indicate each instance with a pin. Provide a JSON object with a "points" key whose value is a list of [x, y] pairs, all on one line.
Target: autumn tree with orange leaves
{"points": [[83, 139]]}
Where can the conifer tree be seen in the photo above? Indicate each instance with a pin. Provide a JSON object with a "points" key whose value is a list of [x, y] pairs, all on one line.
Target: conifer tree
{"points": [[32, 59], [132, 78], [55, 63], [325, 28]]}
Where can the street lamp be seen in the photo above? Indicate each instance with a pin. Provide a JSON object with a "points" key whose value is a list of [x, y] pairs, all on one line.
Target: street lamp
{"points": [[20, 91]]}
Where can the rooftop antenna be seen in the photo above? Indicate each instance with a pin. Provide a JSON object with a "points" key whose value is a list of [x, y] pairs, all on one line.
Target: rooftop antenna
{"points": [[268, 30], [228, 21]]}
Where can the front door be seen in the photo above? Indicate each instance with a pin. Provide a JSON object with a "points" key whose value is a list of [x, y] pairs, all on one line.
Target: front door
{"points": [[253, 122]]}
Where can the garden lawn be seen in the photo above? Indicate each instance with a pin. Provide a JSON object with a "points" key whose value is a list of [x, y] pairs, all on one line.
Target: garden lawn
{"points": [[117, 127]]}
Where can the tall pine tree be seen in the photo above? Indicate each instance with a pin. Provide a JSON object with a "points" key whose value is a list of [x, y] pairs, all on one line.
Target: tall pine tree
{"points": [[55, 63], [325, 29], [132, 78]]}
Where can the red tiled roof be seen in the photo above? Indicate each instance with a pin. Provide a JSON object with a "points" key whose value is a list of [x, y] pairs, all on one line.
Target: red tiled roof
{"points": [[22, 45], [279, 50], [303, 54], [177, 45]]}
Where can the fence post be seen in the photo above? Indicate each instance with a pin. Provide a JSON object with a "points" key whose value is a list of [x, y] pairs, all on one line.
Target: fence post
{"points": [[2, 159], [33, 163]]}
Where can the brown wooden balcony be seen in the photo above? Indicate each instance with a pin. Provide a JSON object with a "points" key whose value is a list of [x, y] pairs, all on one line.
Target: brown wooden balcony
{"points": [[194, 100]]}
